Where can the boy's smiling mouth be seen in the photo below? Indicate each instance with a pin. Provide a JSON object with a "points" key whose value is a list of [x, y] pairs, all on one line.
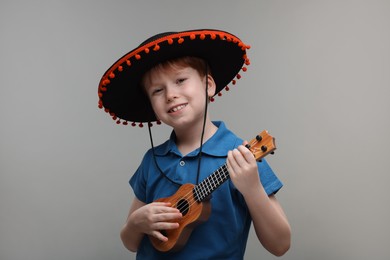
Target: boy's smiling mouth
{"points": [[177, 108]]}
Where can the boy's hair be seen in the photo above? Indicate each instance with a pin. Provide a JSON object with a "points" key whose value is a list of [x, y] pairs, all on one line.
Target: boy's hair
{"points": [[198, 64]]}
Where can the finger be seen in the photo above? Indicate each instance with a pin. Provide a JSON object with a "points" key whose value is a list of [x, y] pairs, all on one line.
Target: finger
{"points": [[159, 236], [162, 207], [246, 153], [238, 157], [231, 163], [165, 225], [164, 217]]}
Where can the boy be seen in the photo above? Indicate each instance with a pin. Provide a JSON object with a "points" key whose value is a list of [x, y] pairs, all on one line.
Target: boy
{"points": [[170, 78]]}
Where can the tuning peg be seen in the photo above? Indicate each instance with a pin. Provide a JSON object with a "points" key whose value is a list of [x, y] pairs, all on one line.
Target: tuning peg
{"points": [[248, 146], [264, 148], [259, 138]]}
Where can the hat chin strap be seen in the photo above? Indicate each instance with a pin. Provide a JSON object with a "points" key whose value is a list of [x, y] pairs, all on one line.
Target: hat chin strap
{"points": [[201, 140], [204, 125]]}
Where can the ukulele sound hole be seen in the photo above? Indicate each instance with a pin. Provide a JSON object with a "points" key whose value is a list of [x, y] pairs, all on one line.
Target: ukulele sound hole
{"points": [[183, 206]]}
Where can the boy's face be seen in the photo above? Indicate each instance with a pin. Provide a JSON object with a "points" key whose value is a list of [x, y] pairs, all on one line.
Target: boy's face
{"points": [[177, 95]]}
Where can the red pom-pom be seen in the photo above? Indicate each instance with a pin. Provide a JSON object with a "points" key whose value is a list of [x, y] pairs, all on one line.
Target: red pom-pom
{"points": [[106, 82]]}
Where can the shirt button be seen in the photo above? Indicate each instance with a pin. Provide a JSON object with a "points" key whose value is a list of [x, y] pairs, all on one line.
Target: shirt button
{"points": [[182, 163]]}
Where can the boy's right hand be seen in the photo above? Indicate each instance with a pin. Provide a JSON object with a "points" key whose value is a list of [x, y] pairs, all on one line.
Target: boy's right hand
{"points": [[154, 217]]}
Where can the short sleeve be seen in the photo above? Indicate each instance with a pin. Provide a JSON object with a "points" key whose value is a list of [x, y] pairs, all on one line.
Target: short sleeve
{"points": [[138, 181], [269, 180]]}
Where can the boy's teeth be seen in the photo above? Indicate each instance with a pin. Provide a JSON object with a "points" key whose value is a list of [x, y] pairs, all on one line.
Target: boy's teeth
{"points": [[177, 108]]}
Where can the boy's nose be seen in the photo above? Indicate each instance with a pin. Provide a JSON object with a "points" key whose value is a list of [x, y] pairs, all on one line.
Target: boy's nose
{"points": [[170, 95]]}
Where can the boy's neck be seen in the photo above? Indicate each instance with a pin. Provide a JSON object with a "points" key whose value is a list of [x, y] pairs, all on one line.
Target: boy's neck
{"points": [[187, 140]]}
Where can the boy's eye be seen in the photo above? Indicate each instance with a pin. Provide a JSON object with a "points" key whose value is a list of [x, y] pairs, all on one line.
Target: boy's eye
{"points": [[156, 91], [179, 81]]}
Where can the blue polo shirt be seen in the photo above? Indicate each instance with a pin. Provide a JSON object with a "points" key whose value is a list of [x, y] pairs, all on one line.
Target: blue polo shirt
{"points": [[224, 235]]}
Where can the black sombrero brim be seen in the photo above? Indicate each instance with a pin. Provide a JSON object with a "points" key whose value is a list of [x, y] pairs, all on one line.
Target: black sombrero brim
{"points": [[119, 90]]}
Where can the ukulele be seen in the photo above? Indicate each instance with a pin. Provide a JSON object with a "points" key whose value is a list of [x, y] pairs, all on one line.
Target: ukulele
{"points": [[193, 200]]}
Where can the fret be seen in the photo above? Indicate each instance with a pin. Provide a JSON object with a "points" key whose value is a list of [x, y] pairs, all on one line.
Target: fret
{"points": [[211, 183]]}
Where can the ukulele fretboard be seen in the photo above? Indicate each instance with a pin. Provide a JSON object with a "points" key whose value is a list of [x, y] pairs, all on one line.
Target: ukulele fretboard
{"points": [[211, 183]]}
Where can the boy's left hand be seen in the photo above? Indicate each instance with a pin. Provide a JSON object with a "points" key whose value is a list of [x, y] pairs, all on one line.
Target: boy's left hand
{"points": [[243, 170]]}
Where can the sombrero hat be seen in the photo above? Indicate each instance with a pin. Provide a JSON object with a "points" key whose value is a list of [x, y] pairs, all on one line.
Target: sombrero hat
{"points": [[120, 93]]}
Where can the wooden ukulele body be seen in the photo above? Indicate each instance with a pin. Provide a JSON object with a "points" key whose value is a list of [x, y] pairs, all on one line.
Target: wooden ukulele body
{"points": [[194, 213]]}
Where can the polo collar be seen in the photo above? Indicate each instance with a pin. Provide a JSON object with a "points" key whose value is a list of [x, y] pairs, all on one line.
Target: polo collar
{"points": [[222, 141]]}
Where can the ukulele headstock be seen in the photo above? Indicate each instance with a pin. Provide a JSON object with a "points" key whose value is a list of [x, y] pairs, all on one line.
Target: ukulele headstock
{"points": [[262, 145]]}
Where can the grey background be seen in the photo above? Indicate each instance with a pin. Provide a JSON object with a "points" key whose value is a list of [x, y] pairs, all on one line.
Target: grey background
{"points": [[319, 81]]}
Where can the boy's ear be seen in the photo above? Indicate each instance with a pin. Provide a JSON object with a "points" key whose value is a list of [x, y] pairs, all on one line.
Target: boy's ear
{"points": [[211, 85]]}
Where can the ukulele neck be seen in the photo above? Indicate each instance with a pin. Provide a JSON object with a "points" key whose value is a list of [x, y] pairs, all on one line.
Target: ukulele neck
{"points": [[211, 183]]}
